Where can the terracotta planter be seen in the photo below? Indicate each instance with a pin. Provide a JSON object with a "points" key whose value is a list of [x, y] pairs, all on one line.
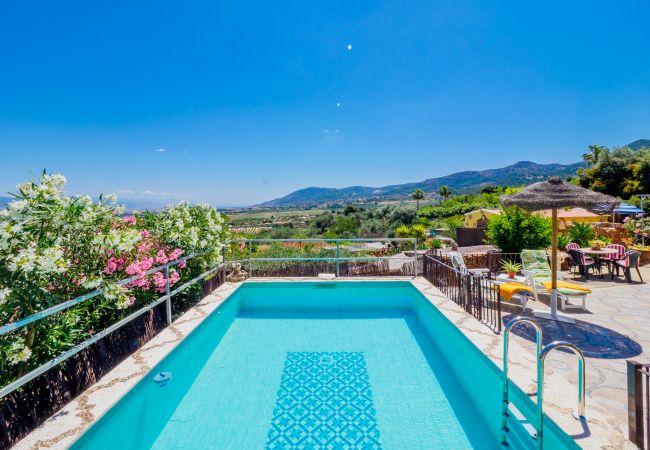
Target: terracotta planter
{"points": [[512, 274]]}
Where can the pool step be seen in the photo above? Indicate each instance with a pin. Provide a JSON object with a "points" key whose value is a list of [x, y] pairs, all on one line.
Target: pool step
{"points": [[519, 432]]}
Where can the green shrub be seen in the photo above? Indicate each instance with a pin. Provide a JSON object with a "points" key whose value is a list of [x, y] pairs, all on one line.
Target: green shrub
{"points": [[562, 241], [580, 233], [411, 231], [516, 229], [435, 244]]}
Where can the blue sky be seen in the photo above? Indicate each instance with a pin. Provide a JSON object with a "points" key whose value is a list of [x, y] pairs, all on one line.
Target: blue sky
{"points": [[251, 100]]}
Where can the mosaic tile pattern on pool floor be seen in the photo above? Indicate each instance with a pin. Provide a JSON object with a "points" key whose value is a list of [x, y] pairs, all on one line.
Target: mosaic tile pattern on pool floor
{"points": [[324, 401]]}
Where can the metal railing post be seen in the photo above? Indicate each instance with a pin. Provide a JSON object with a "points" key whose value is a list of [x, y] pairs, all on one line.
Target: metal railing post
{"points": [[415, 257], [338, 261], [168, 301], [635, 405], [250, 258], [224, 262]]}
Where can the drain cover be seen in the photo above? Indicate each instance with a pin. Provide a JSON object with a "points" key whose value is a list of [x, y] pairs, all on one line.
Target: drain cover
{"points": [[162, 378]]}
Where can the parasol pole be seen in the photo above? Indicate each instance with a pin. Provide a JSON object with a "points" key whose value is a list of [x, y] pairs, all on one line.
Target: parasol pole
{"points": [[554, 262]]}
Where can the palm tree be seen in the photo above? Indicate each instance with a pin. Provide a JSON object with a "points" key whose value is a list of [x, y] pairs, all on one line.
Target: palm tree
{"points": [[444, 192], [417, 195]]}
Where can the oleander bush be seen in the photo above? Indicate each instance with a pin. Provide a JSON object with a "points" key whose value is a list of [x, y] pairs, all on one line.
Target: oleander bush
{"points": [[55, 247]]}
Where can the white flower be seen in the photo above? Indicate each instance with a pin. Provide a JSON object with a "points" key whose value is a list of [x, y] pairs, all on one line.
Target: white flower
{"points": [[92, 283], [52, 261], [25, 260], [4, 294], [17, 205], [26, 188], [18, 352]]}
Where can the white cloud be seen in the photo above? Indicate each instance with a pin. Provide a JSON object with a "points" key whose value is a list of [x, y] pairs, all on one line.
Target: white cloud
{"points": [[158, 194], [124, 191], [160, 150], [349, 47]]}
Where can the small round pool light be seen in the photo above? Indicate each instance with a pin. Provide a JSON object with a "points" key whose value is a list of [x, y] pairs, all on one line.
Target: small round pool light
{"points": [[162, 378]]}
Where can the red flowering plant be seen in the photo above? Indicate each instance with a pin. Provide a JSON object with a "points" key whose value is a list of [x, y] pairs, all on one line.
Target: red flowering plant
{"points": [[149, 253]]}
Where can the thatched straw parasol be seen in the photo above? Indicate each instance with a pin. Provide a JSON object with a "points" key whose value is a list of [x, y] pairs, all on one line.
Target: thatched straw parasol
{"points": [[553, 194]]}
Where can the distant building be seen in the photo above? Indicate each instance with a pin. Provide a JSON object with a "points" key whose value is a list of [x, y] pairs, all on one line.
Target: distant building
{"points": [[479, 218]]}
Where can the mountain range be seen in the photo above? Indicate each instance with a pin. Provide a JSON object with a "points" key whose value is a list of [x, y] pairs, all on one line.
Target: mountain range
{"points": [[522, 172]]}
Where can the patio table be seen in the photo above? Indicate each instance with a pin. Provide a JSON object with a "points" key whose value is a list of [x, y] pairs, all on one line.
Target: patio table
{"points": [[598, 255]]}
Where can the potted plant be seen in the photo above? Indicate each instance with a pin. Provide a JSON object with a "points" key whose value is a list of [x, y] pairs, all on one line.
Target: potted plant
{"points": [[597, 244], [510, 267]]}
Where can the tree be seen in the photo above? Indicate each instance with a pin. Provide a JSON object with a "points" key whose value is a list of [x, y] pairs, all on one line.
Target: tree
{"points": [[444, 192], [621, 172], [417, 195], [516, 229]]}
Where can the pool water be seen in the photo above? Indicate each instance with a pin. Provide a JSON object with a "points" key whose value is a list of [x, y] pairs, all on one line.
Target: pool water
{"points": [[316, 365]]}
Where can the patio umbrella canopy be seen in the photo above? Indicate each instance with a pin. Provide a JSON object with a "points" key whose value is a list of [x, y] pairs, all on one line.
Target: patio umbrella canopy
{"points": [[552, 194], [555, 193]]}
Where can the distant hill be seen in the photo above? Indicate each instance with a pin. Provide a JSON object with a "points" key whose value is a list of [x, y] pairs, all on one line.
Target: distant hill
{"points": [[639, 143], [523, 172]]}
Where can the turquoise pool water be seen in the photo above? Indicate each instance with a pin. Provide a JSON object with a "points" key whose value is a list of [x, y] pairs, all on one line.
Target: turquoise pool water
{"points": [[317, 365]]}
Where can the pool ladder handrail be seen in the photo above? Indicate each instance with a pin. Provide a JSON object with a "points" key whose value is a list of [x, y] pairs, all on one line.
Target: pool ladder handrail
{"points": [[506, 339], [542, 353]]}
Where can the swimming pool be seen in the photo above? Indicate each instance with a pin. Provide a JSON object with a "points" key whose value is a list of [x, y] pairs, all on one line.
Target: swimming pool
{"points": [[319, 365]]}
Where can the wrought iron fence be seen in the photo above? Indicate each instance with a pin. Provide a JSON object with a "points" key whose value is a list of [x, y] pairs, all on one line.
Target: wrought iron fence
{"points": [[638, 403], [476, 294]]}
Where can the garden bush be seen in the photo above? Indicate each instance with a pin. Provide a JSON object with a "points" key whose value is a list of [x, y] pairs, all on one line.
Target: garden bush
{"points": [[516, 229], [55, 247]]}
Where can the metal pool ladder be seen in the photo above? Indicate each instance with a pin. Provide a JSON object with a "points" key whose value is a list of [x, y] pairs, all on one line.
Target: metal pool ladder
{"points": [[518, 432]]}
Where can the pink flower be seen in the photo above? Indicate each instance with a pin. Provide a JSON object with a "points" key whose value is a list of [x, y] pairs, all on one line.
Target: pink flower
{"points": [[182, 264], [129, 220], [159, 281], [174, 255], [131, 301], [134, 269], [140, 282], [161, 258], [111, 266], [145, 234], [144, 247], [146, 264], [79, 281], [174, 277]]}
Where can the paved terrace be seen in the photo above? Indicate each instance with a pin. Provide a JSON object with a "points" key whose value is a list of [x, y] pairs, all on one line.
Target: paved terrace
{"points": [[615, 327]]}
